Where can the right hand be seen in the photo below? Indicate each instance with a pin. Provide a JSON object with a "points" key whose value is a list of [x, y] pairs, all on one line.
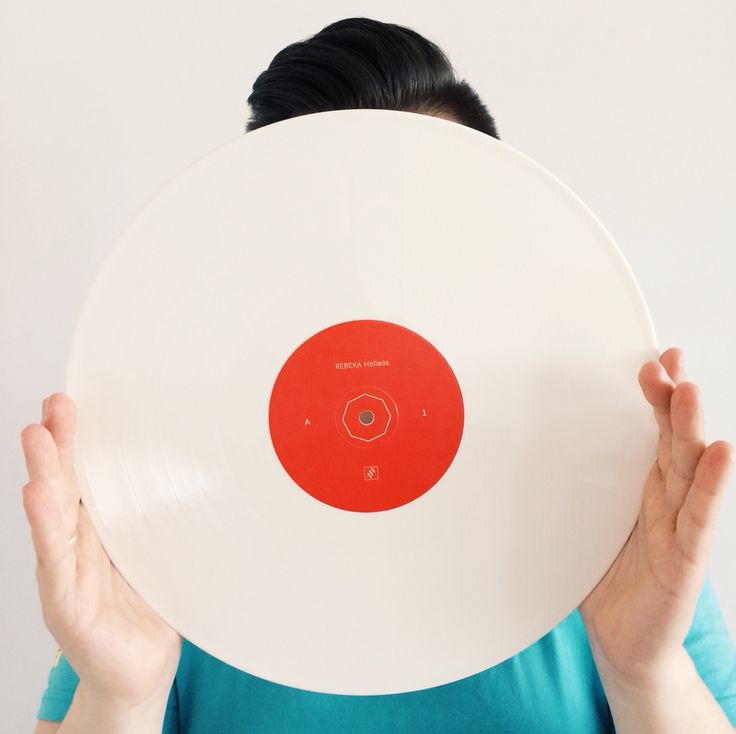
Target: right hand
{"points": [[122, 651]]}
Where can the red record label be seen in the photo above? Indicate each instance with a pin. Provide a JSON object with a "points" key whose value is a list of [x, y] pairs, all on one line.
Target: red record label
{"points": [[366, 415]]}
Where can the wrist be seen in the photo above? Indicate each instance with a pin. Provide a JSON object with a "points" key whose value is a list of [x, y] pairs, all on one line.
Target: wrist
{"points": [[668, 697], [91, 711], [667, 673], [635, 660]]}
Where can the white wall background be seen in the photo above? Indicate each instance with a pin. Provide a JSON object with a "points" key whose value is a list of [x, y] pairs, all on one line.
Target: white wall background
{"points": [[632, 104]]}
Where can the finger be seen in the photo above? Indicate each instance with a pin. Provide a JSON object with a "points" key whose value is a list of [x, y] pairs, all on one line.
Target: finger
{"points": [[41, 454], [688, 441], [657, 387], [55, 556], [92, 561], [50, 505], [673, 360], [61, 421], [697, 519], [51, 523]]}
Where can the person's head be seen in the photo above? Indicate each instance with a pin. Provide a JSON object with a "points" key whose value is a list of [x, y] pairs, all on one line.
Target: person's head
{"points": [[359, 63]]}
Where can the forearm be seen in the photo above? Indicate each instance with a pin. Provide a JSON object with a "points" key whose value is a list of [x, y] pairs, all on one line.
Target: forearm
{"points": [[673, 701], [89, 714]]}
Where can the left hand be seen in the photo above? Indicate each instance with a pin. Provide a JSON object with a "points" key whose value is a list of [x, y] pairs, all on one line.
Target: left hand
{"points": [[639, 614]]}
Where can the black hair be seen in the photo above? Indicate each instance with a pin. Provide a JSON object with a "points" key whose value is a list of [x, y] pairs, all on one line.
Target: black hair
{"points": [[363, 63]]}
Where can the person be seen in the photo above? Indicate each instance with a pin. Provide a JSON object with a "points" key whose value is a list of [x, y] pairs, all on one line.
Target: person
{"points": [[647, 650]]}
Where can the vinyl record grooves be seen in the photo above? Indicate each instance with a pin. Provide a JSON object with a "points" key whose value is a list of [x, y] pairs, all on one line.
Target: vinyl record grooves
{"points": [[358, 408]]}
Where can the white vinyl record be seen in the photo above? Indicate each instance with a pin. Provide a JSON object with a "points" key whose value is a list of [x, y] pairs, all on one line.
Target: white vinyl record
{"points": [[358, 408]]}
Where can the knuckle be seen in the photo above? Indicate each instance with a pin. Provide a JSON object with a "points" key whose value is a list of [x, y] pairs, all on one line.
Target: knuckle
{"points": [[27, 490], [680, 472], [50, 617], [40, 572], [696, 519]]}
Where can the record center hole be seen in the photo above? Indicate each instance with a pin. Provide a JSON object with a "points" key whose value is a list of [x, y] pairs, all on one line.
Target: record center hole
{"points": [[366, 417]]}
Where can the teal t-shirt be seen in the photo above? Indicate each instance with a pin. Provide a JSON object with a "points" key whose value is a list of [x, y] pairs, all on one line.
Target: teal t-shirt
{"points": [[551, 687]]}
